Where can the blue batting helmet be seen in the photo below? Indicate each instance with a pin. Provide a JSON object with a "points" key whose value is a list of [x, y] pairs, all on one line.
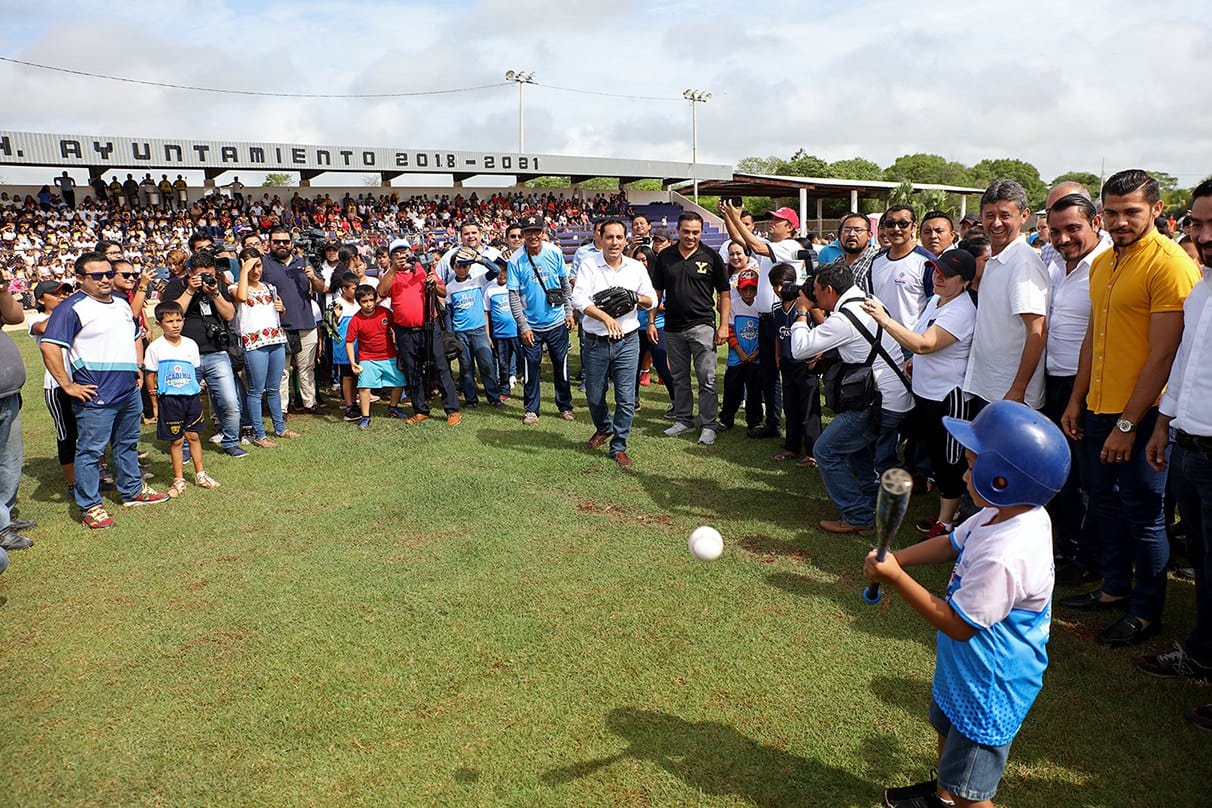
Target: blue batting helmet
{"points": [[1021, 457]]}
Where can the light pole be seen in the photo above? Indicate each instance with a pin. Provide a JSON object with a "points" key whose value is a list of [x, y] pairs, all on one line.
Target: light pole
{"points": [[522, 79], [695, 97]]}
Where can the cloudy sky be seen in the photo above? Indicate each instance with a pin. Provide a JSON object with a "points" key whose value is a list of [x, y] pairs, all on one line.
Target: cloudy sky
{"points": [[1063, 85]]}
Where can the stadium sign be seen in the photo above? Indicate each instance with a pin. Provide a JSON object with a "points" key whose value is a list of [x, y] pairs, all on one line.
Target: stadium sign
{"points": [[109, 152]]}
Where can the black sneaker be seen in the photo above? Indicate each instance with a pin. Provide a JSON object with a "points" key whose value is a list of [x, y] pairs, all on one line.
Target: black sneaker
{"points": [[18, 525], [352, 413], [919, 795], [1174, 664], [12, 540]]}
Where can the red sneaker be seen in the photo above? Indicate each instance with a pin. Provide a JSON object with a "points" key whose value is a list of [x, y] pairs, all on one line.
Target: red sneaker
{"points": [[96, 518]]}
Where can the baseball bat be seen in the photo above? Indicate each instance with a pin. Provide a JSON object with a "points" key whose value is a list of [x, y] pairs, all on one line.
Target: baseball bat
{"points": [[895, 487]]}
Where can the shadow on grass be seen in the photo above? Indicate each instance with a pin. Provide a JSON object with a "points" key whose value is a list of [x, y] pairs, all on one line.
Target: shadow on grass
{"points": [[847, 593], [716, 759], [692, 496]]}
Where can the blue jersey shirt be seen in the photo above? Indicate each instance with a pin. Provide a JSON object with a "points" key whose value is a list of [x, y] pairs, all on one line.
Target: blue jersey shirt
{"points": [[465, 300], [743, 321], [659, 319], [783, 320], [100, 342], [496, 300], [549, 264]]}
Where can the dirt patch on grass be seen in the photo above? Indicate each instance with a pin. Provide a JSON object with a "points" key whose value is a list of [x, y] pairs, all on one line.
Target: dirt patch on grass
{"points": [[217, 643], [619, 513], [768, 550]]}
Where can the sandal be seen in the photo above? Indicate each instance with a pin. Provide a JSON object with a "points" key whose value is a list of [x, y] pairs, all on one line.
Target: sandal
{"points": [[204, 480], [808, 462], [264, 443], [177, 488], [781, 456], [287, 433]]}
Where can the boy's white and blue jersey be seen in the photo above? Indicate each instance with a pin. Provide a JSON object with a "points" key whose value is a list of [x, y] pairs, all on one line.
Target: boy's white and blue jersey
{"points": [[744, 321], [465, 299], [1002, 587], [175, 366], [99, 339], [345, 310], [659, 317], [549, 263], [496, 301]]}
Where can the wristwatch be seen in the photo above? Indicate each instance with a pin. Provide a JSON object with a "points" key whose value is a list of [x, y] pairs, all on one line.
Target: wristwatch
{"points": [[1125, 426]]}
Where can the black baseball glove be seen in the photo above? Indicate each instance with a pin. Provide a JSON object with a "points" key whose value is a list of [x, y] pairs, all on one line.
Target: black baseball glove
{"points": [[616, 301]]}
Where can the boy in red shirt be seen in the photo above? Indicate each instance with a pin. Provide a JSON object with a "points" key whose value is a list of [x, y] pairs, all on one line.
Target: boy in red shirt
{"points": [[372, 352]]}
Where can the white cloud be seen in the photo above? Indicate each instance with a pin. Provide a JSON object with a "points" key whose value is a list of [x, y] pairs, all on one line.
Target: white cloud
{"points": [[1062, 86]]}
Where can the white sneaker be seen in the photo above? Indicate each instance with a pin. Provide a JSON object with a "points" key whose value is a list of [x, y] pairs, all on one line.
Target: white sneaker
{"points": [[677, 429], [216, 438], [513, 381], [707, 436]]}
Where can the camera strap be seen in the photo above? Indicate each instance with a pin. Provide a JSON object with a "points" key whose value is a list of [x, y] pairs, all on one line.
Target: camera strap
{"points": [[536, 273], [877, 346]]}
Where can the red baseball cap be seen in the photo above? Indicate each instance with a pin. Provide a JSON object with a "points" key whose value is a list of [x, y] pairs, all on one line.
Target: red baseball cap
{"points": [[746, 277], [788, 215]]}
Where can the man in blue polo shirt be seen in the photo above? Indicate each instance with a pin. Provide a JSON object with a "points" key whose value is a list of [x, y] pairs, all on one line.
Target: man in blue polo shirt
{"points": [[540, 298], [102, 342], [295, 281], [465, 300]]}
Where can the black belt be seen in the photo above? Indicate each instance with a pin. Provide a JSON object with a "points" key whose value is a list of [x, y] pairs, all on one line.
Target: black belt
{"points": [[595, 338], [1194, 443]]}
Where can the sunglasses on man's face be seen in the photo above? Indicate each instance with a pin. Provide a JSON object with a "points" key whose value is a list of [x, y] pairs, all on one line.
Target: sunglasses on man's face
{"points": [[130, 276], [100, 276], [898, 224], [279, 241]]}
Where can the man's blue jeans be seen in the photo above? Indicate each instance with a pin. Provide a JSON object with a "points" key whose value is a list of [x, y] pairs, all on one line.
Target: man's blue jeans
{"points": [[264, 366], [12, 451], [1191, 473], [117, 425], [1127, 506], [603, 360], [851, 456], [224, 397], [556, 341], [477, 351]]}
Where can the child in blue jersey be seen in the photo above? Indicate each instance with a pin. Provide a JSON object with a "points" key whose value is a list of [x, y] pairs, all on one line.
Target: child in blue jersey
{"points": [[465, 302], [994, 621], [503, 334], [801, 386], [742, 376], [344, 306], [172, 362]]}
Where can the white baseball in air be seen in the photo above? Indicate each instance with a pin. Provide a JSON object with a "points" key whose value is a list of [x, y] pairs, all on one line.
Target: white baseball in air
{"points": [[706, 543]]}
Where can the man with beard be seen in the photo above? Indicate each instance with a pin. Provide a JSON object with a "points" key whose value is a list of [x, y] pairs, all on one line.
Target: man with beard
{"points": [[1074, 224], [854, 236], [1137, 292], [1184, 407], [296, 282], [471, 237]]}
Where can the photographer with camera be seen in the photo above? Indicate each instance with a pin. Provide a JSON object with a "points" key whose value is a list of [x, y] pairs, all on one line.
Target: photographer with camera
{"points": [[208, 309], [780, 248], [414, 288], [295, 281], [539, 296]]}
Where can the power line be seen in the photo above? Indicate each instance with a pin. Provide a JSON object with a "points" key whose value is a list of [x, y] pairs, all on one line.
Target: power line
{"points": [[262, 93], [170, 85]]}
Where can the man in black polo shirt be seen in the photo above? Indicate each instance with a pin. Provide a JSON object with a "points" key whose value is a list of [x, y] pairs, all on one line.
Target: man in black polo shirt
{"points": [[691, 277], [295, 281], [208, 309]]}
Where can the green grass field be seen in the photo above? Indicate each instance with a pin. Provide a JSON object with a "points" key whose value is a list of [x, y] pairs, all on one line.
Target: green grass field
{"points": [[492, 615]]}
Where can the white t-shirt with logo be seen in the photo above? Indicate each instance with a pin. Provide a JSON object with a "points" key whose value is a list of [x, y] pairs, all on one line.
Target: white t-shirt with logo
{"points": [[904, 285], [936, 374]]}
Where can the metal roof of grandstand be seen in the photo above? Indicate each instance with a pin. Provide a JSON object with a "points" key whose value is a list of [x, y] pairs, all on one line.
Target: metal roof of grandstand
{"points": [[775, 185]]}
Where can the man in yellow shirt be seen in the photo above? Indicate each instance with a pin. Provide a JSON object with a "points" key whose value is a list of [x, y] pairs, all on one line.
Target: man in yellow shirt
{"points": [[1137, 291]]}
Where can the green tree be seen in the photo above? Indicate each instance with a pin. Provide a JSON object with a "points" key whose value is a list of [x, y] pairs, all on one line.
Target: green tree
{"points": [[758, 165], [856, 168], [928, 168], [277, 179], [1089, 180], [549, 182], [1022, 172], [803, 164], [645, 185]]}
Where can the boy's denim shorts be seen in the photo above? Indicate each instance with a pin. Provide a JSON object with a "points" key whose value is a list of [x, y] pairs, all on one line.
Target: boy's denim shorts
{"points": [[967, 769]]}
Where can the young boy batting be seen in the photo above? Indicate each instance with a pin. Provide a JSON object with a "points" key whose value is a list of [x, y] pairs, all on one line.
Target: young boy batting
{"points": [[993, 622]]}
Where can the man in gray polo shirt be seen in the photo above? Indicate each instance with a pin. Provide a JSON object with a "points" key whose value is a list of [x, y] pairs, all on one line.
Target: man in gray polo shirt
{"points": [[12, 377]]}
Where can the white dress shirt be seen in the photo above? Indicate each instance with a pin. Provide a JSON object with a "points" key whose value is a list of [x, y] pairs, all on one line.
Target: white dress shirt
{"points": [[838, 332], [1189, 388], [1069, 312], [596, 275]]}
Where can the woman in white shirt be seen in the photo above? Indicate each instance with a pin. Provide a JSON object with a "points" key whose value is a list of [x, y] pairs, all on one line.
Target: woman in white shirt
{"points": [[257, 310], [941, 341]]}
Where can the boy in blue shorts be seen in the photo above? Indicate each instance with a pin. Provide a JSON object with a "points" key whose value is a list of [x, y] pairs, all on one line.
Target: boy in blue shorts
{"points": [[993, 624], [371, 347], [172, 362]]}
